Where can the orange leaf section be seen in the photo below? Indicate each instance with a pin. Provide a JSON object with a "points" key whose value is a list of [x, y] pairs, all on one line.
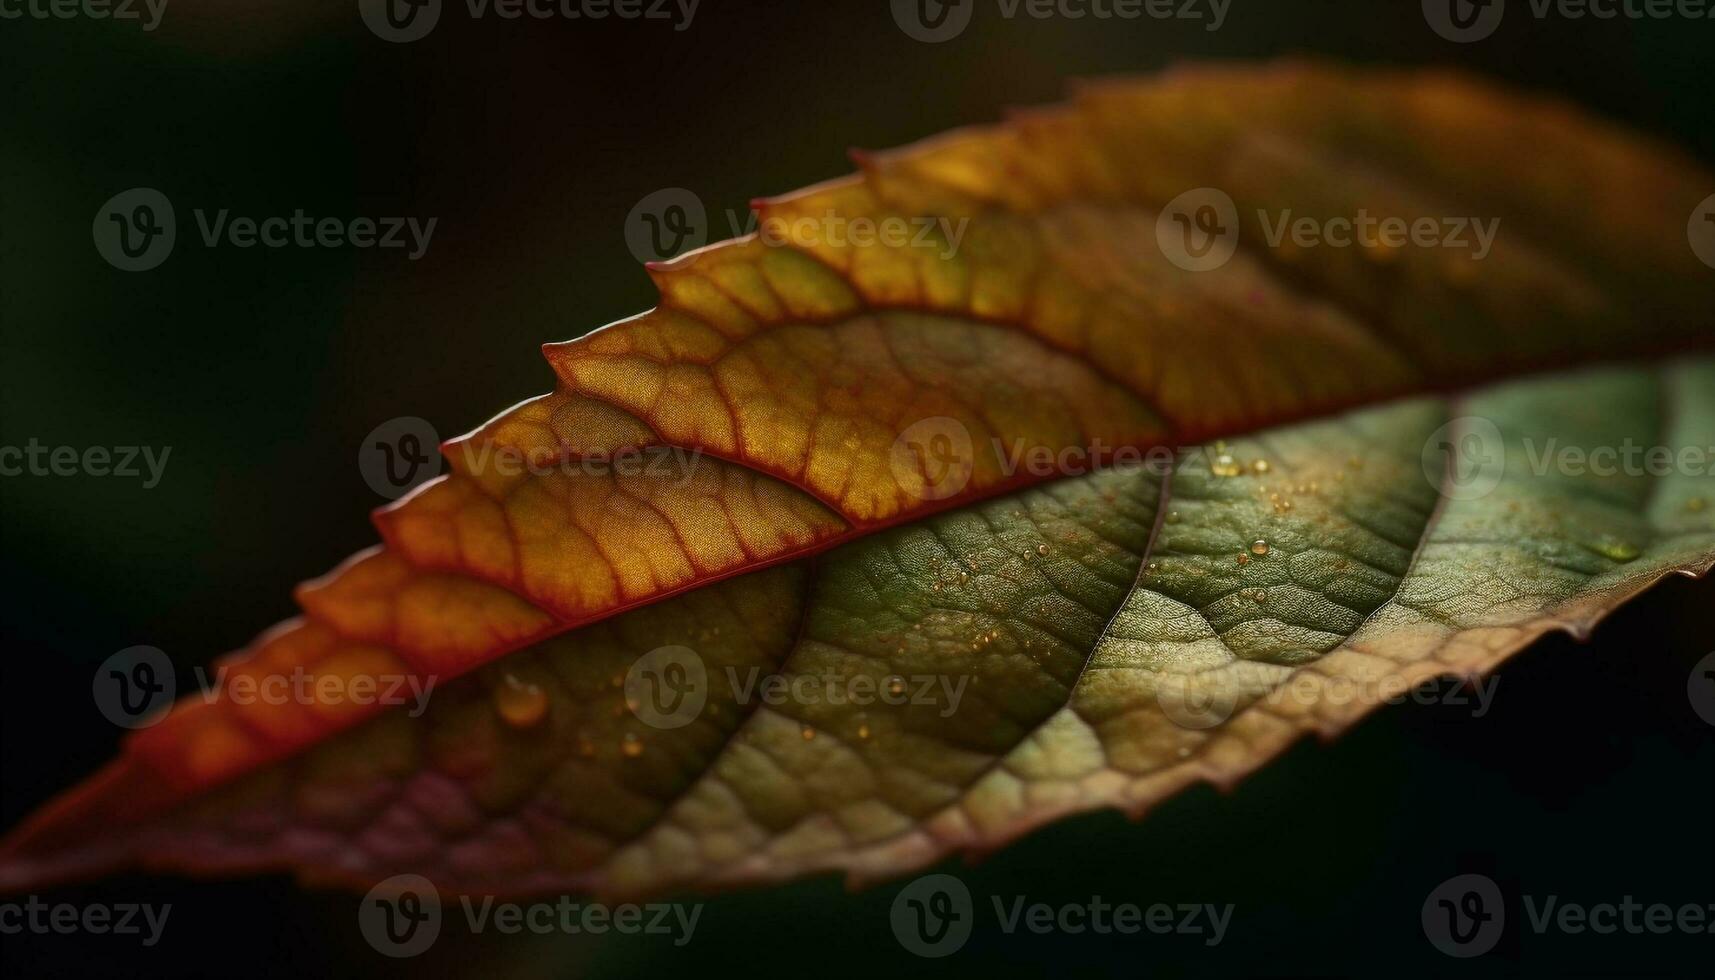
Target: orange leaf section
{"points": [[756, 415]]}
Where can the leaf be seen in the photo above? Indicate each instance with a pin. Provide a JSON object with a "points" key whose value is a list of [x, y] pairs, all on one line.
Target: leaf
{"points": [[1109, 636]]}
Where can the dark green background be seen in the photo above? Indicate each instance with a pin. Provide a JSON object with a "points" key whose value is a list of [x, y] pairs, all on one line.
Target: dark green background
{"points": [[530, 141]]}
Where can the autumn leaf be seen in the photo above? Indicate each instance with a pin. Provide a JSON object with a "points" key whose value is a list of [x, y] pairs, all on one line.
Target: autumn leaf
{"points": [[853, 554]]}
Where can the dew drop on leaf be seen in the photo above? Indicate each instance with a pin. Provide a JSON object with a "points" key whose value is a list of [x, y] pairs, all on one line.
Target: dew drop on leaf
{"points": [[1616, 550], [1259, 547], [1225, 465], [520, 705]]}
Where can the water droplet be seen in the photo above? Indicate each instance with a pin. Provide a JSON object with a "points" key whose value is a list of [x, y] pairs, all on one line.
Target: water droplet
{"points": [[936, 587], [964, 577], [1616, 550], [631, 746], [1259, 547], [808, 733], [1172, 517], [1184, 751], [1153, 568], [1244, 559], [520, 705], [1225, 465], [863, 731], [1261, 467], [896, 685], [1042, 549], [1260, 595]]}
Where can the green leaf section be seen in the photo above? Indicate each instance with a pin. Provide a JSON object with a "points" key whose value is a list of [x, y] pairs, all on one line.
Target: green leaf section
{"points": [[1099, 641]]}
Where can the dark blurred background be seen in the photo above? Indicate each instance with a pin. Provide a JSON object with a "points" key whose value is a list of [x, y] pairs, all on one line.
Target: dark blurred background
{"points": [[530, 141]]}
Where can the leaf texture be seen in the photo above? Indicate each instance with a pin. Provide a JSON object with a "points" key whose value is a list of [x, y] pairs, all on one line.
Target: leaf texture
{"points": [[1093, 619]]}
